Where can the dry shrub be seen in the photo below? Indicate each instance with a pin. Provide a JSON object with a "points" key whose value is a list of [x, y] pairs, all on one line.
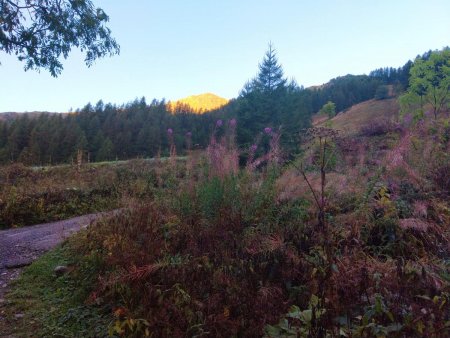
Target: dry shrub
{"points": [[192, 275], [222, 153], [273, 157], [440, 175], [378, 128], [291, 186], [353, 151], [11, 173], [414, 224], [218, 256], [222, 159], [396, 159], [401, 284]]}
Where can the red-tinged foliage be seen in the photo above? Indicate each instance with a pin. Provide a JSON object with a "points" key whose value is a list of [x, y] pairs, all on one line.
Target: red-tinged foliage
{"points": [[204, 277], [224, 252]]}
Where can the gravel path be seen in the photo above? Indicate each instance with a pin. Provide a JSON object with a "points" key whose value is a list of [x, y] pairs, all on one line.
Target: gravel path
{"points": [[21, 246]]}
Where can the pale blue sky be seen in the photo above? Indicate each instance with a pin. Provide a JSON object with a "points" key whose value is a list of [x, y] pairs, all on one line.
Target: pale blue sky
{"points": [[175, 48]]}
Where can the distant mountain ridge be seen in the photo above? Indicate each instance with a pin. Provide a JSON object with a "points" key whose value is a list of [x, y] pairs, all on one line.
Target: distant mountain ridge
{"points": [[198, 103], [7, 116]]}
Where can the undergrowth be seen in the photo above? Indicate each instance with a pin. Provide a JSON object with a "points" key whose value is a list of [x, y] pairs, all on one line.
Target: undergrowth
{"points": [[37, 195], [349, 240], [43, 304]]}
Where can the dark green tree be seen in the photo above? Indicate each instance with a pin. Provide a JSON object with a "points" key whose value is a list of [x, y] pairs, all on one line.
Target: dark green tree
{"points": [[39, 32], [18, 136], [106, 151], [269, 100], [3, 134], [382, 92], [270, 77]]}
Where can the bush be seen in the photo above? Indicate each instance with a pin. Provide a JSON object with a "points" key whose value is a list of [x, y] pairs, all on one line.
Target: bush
{"points": [[378, 128], [382, 92], [441, 177]]}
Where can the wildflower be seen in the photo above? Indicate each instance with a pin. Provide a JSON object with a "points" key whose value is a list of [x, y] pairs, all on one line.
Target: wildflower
{"points": [[268, 130], [170, 131], [219, 123], [253, 148], [408, 119], [420, 209], [188, 134], [232, 123]]}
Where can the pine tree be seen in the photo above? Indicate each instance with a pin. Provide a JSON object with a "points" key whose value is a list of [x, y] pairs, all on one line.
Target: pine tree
{"points": [[270, 77], [106, 151], [269, 100]]}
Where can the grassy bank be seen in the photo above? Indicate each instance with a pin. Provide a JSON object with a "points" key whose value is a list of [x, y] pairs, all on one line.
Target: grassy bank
{"points": [[43, 304], [38, 195]]}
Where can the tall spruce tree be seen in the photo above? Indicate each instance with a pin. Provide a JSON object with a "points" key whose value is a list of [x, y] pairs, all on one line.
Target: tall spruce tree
{"points": [[268, 100], [270, 77]]}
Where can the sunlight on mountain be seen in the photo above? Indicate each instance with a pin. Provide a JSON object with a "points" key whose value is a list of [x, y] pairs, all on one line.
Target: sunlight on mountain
{"points": [[197, 103]]}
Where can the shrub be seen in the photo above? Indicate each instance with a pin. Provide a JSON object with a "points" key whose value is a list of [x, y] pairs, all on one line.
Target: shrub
{"points": [[378, 128], [441, 177], [382, 92]]}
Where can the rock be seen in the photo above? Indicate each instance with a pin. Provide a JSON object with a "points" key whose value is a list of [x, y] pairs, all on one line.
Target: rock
{"points": [[18, 263], [60, 270]]}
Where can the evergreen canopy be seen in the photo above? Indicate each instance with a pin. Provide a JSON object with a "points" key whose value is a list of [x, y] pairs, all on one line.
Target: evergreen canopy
{"points": [[270, 77]]}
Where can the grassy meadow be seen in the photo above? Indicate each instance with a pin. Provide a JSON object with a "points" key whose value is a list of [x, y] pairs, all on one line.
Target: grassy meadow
{"points": [[33, 195]]}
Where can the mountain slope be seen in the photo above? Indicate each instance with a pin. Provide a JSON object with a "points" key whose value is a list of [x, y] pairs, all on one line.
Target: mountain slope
{"points": [[361, 115], [199, 103]]}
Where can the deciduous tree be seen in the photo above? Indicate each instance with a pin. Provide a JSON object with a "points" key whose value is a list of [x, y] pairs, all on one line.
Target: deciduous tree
{"points": [[328, 109], [429, 83], [39, 32]]}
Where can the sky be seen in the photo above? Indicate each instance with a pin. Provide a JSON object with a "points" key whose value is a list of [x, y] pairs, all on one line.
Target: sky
{"points": [[175, 48]]}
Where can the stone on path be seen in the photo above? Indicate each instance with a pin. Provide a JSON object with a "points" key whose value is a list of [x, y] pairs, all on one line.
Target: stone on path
{"points": [[60, 270], [18, 263]]}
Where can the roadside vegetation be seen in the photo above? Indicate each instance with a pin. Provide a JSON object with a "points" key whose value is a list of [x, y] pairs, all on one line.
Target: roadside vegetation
{"points": [[36, 195], [44, 304], [218, 250]]}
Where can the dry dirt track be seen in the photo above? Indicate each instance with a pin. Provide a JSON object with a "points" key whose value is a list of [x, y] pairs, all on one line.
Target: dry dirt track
{"points": [[20, 246]]}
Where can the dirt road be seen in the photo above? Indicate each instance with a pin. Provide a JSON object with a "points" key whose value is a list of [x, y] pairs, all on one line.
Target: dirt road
{"points": [[21, 246]]}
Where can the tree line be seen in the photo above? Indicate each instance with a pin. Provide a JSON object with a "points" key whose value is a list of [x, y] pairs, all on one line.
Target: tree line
{"points": [[139, 129]]}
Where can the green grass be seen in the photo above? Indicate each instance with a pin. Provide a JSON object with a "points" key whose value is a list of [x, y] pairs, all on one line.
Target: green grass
{"points": [[53, 306]]}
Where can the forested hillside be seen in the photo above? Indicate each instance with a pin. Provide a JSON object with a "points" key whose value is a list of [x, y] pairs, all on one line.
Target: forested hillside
{"points": [[139, 129]]}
